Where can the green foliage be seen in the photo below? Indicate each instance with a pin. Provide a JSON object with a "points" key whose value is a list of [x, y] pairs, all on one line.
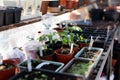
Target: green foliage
{"points": [[81, 38], [48, 37], [42, 38], [75, 28], [65, 51], [80, 68], [64, 37]]}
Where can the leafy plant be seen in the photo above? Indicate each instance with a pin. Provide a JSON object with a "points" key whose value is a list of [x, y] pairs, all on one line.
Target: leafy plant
{"points": [[75, 28], [66, 37], [6, 66], [48, 37], [65, 51], [80, 68], [80, 38], [42, 38]]}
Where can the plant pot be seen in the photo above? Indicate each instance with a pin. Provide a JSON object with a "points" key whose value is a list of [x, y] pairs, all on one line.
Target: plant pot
{"points": [[44, 7], [79, 67], [9, 72], [17, 15], [34, 63], [2, 11], [44, 75], [90, 54], [69, 4], [63, 57], [47, 55], [42, 64], [9, 13], [82, 44], [63, 3], [51, 65]]}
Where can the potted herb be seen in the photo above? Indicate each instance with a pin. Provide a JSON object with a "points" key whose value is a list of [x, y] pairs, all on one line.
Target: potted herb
{"points": [[79, 67], [64, 55], [81, 41], [90, 53], [49, 39], [67, 39], [8, 68]]}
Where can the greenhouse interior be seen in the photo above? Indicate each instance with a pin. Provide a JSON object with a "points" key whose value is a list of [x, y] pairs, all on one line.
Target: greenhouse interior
{"points": [[59, 39]]}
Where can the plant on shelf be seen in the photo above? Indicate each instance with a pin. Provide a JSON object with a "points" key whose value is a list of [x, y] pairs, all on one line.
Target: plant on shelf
{"points": [[91, 53], [81, 41], [75, 28], [64, 54], [67, 39], [45, 52], [49, 39], [81, 67], [8, 68]]}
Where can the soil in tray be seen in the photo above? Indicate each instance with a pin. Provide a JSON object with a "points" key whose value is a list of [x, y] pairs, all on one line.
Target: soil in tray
{"points": [[34, 75], [34, 63], [5, 66], [50, 67], [80, 68], [92, 54]]}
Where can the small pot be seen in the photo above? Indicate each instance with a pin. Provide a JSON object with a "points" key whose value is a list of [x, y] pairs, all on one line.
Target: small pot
{"points": [[7, 73], [82, 44], [63, 57]]}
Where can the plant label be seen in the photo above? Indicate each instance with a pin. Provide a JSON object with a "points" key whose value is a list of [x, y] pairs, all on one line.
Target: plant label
{"points": [[29, 64], [71, 49], [41, 53], [1, 59], [91, 42]]}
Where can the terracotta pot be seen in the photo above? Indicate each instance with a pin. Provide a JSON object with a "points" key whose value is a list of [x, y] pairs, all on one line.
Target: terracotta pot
{"points": [[82, 44], [75, 4], [44, 7], [75, 49], [63, 3], [65, 58], [7, 73], [69, 4]]}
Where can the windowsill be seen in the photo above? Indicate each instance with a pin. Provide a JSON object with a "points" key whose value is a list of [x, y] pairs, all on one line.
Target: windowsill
{"points": [[21, 23]]}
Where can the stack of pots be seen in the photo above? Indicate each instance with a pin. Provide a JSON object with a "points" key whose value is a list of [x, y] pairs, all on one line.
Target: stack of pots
{"points": [[9, 15]]}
